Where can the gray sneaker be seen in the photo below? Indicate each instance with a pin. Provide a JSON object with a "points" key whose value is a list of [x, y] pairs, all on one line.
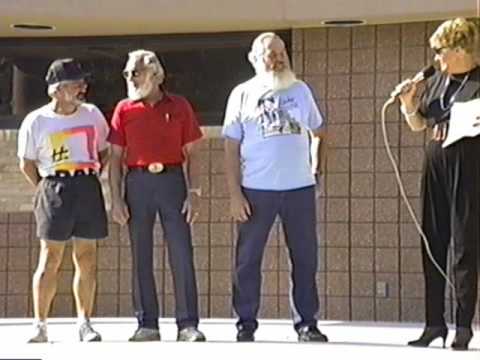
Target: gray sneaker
{"points": [[87, 334], [39, 333], [191, 334], [145, 334]]}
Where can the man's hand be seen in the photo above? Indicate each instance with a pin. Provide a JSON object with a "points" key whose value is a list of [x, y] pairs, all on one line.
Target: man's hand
{"points": [[319, 180], [30, 171], [239, 207], [319, 169], [120, 213], [187, 210]]}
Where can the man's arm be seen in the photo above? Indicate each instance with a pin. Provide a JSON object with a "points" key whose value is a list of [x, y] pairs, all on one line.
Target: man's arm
{"points": [[30, 171], [103, 157], [188, 151], [232, 165], [116, 172], [239, 205], [119, 208], [318, 151]]}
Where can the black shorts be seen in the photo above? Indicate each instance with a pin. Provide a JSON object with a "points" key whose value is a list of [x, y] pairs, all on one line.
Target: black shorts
{"points": [[67, 207]]}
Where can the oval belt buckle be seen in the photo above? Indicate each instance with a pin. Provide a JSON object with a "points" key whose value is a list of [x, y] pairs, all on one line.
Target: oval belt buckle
{"points": [[156, 167]]}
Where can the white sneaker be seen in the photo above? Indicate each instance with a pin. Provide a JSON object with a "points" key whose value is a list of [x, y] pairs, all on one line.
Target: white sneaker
{"points": [[39, 333], [87, 333]]}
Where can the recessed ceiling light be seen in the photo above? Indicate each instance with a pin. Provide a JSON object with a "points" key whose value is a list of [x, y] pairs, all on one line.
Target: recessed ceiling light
{"points": [[343, 22], [34, 27]]}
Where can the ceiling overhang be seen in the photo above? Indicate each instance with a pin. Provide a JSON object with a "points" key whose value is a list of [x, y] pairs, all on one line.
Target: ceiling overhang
{"points": [[114, 17]]}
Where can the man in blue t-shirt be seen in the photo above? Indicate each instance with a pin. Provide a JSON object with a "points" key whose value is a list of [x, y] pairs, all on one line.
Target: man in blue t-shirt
{"points": [[274, 136]]}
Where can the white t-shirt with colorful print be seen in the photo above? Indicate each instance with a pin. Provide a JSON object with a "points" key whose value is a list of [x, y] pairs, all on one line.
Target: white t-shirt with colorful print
{"points": [[63, 142]]}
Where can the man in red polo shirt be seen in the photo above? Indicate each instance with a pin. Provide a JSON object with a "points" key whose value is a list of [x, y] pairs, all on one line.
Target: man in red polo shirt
{"points": [[152, 134]]}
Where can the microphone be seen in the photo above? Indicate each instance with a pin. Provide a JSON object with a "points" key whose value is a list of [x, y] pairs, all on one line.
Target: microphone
{"points": [[424, 74]]}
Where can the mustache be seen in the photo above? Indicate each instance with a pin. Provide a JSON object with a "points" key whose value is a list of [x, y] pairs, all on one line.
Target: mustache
{"points": [[279, 80]]}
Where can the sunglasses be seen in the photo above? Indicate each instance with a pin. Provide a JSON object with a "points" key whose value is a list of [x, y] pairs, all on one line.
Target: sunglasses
{"points": [[131, 73]]}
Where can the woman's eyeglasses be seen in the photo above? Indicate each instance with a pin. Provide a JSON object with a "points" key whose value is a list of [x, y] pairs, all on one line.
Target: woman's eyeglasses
{"points": [[130, 73]]}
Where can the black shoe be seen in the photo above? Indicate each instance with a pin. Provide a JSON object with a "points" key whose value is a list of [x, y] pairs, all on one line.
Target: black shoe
{"points": [[311, 334], [191, 334], [429, 334], [462, 338], [245, 335]]}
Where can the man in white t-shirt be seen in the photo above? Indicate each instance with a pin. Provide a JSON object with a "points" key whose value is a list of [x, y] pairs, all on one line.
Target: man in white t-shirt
{"points": [[273, 151], [62, 148]]}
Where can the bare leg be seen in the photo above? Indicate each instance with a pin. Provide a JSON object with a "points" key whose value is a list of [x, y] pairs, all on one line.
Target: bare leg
{"points": [[45, 277], [45, 286], [84, 283], [84, 256]]}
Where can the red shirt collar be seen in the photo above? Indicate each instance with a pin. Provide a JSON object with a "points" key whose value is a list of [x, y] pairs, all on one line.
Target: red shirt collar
{"points": [[167, 97]]}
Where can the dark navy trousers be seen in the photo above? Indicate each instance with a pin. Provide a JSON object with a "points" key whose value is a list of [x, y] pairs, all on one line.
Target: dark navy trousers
{"points": [[296, 209], [164, 194]]}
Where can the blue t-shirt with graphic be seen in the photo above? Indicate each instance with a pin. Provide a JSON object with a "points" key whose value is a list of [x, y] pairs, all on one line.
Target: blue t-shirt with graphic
{"points": [[272, 128]]}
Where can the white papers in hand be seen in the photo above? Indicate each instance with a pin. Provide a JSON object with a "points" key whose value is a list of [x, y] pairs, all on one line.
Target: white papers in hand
{"points": [[464, 121]]}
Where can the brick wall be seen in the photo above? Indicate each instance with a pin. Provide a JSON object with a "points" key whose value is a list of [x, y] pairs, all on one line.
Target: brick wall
{"points": [[368, 242]]}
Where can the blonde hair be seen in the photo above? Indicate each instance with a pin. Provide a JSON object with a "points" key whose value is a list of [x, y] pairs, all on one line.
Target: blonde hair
{"points": [[458, 33]]}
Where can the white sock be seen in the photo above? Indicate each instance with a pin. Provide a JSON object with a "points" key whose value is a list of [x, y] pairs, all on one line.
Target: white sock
{"points": [[82, 320]]}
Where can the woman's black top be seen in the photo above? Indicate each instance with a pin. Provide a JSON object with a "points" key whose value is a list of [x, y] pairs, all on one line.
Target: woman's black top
{"points": [[435, 105], [441, 92]]}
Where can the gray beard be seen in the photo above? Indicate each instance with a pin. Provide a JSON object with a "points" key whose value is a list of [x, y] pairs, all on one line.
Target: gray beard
{"points": [[278, 80]]}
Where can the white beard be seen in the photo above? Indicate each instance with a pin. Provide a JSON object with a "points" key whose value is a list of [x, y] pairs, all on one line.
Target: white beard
{"points": [[278, 80], [140, 93]]}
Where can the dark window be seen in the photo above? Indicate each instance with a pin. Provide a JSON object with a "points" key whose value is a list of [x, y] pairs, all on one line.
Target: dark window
{"points": [[202, 67]]}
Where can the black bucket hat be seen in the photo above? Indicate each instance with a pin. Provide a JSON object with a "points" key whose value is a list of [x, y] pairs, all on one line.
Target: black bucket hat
{"points": [[65, 70]]}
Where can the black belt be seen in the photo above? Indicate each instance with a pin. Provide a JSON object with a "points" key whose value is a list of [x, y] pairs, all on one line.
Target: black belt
{"points": [[148, 168], [74, 173]]}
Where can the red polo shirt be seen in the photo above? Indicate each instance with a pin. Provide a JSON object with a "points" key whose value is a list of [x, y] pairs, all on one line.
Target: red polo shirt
{"points": [[154, 133]]}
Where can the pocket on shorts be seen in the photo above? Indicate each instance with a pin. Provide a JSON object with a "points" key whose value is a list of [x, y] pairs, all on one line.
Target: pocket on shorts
{"points": [[50, 196], [53, 192]]}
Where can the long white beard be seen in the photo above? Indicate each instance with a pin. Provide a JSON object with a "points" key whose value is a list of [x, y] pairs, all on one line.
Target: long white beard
{"points": [[142, 92], [278, 80]]}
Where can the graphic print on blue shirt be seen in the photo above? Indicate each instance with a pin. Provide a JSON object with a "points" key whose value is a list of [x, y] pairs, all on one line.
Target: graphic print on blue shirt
{"points": [[274, 117], [272, 130]]}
